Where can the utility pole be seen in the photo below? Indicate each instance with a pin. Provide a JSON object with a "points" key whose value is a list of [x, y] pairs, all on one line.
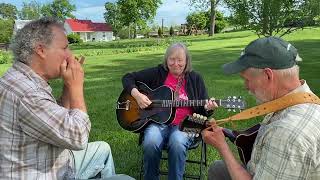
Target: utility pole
{"points": [[162, 26]]}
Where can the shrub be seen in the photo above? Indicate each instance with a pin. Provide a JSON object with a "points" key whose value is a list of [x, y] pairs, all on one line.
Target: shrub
{"points": [[160, 33], [74, 38], [171, 31], [4, 57]]}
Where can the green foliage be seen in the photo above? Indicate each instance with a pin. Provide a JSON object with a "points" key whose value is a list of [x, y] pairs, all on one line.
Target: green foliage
{"points": [[317, 20], [5, 57], [160, 33], [198, 19], [8, 11], [112, 16], [124, 32], [74, 38], [274, 17], [60, 9], [201, 20], [220, 22], [31, 10], [143, 46], [136, 13], [6, 27], [205, 5], [171, 31]]}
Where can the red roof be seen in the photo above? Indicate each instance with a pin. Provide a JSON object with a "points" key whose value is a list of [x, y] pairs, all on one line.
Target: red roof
{"points": [[77, 25]]}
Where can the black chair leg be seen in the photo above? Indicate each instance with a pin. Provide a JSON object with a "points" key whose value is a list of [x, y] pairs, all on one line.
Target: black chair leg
{"points": [[141, 169]]}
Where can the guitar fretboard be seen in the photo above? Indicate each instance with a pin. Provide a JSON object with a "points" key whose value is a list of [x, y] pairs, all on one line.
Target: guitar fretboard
{"points": [[180, 103]]}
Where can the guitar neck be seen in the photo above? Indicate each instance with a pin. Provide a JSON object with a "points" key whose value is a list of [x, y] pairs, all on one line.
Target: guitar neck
{"points": [[181, 103]]}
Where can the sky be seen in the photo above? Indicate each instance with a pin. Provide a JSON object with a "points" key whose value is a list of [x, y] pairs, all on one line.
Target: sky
{"points": [[173, 12]]}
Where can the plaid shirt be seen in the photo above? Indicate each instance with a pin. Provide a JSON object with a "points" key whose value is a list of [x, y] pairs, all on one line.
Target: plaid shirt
{"points": [[35, 132], [288, 143]]}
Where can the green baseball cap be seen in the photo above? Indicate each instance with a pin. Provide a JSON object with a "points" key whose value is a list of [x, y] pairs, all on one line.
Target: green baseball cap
{"points": [[268, 52]]}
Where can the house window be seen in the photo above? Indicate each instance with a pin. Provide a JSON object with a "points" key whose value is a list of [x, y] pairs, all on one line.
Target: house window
{"points": [[104, 34]]}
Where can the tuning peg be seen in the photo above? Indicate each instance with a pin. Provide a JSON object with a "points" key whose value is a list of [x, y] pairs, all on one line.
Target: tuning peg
{"points": [[229, 110], [240, 97], [194, 115], [234, 110]]}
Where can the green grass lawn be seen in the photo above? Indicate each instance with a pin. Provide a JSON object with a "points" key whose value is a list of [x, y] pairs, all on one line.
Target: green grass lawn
{"points": [[106, 63]]}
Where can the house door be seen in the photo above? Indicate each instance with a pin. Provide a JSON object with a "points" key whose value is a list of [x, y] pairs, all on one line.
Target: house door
{"points": [[88, 36]]}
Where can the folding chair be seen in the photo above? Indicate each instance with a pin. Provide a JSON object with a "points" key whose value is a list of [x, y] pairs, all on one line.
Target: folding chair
{"points": [[201, 162]]}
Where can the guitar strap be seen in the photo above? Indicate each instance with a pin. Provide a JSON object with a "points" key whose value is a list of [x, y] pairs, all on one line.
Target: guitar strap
{"points": [[179, 84], [273, 106]]}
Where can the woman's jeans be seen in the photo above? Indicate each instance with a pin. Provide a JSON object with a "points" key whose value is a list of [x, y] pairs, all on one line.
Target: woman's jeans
{"points": [[158, 137]]}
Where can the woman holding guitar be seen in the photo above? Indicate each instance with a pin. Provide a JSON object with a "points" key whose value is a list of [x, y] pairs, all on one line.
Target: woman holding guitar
{"points": [[175, 73]]}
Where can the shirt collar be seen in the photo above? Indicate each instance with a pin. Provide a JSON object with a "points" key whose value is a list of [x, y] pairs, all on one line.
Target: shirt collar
{"points": [[303, 88], [27, 71]]}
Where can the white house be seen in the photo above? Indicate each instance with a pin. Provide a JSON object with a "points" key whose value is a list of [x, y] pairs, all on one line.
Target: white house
{"points": [[19, 24], [88, 30]]}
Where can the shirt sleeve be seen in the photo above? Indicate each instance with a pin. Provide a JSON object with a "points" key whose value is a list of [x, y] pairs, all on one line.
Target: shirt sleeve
{"points": [[146, 76], [42, 118], [285, 155]]}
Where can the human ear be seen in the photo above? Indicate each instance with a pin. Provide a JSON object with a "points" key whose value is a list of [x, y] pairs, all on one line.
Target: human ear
{"points": [[40, 50], [269, 73]]}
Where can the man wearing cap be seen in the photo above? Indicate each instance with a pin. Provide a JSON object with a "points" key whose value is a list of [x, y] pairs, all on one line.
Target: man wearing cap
{"points": [[287, 145]]}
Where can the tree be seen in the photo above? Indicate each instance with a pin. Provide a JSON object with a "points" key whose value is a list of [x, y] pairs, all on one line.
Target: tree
{"points": [[8, 11], [113, 16], [171, 31], [74, 38], [6, 26], [274, 17], [29, 11], [137, 12], [59, 9], [201, 20], [220, 23], [198, 19], [160, 33], [204, 5]]}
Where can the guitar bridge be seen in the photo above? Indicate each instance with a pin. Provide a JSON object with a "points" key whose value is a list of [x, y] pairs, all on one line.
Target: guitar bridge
{"points": [[123, 105]]}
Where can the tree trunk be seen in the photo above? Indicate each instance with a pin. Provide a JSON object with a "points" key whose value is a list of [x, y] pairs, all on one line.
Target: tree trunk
{"points": [[129, 34], [135, 31], [212, 17]]}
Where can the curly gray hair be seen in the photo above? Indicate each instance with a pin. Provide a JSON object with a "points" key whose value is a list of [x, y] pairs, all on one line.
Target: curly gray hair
{"points": [[26, 39]]}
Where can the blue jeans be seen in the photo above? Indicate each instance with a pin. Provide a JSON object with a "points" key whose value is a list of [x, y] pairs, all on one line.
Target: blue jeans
{"points": [[160, 136], [96, 159]]}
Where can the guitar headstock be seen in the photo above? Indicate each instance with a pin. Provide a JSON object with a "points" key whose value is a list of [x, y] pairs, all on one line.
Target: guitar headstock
{"points": [[194, 124], [233, 103]]}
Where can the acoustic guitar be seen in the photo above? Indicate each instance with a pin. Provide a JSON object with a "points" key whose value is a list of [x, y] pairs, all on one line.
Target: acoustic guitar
{"points": [[243, 140], [162, 109]]}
